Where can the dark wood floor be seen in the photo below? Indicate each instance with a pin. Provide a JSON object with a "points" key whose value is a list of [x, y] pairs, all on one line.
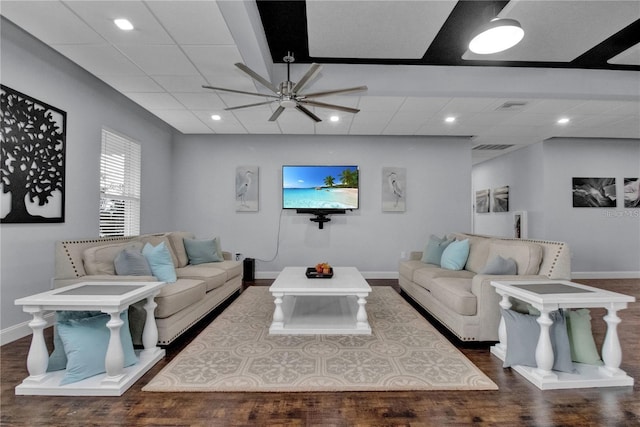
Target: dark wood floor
{"points": [[516, 403]]}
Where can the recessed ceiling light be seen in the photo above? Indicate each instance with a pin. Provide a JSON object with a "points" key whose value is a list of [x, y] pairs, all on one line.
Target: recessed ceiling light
{"points": [[563, 121], [450, 119], [215, 117], [123, 24], [334, 118]]}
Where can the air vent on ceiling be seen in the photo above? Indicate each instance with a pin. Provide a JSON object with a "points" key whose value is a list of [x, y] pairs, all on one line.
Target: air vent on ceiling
{"points": [[492, 147], [512, 106]]}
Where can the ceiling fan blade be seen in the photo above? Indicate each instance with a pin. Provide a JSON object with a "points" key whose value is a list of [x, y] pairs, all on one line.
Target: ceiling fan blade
{"points": [[240, 91], [310, 74], [308, 113], [257, 77], [276, 114], [248, 105], [330, 106], [333, 92]]}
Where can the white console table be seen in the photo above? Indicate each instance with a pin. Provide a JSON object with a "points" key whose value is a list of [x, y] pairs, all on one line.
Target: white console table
{"points": [[550, 295], [111, 298]]}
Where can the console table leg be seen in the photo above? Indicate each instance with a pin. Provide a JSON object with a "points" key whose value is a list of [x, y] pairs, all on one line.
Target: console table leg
{"points": [[150, 331], [38, 357], [114, 360], [544, 351], [611, 350]]}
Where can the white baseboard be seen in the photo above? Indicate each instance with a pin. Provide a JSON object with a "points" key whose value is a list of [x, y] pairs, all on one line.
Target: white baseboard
{"points": [[605, 274], [365, 274], [15, 332]]}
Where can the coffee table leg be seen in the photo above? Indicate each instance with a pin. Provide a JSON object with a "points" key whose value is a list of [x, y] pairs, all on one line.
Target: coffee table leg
{"points": [[278, 314], [150, 331], [38, 357], [114, 360], [611, 350], [361, 315]]}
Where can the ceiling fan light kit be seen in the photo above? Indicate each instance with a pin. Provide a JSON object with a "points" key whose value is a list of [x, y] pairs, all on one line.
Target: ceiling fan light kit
{"points": [[498, 35], [288, 95]]}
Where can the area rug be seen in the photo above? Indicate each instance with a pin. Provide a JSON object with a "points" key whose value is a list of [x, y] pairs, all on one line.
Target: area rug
{"points": [[236, 353]]}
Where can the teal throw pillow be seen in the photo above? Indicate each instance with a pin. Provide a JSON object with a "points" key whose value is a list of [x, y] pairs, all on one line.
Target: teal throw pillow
{"points": [[131, 262], [500, 266], [523, 332], [85, 344], [583, 346], [160, 261], [433, 251], [201, 251], [58, 358], [454, 257]]}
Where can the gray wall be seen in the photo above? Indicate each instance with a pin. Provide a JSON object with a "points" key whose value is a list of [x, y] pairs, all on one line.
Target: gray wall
{"points": [[438, 184], [604, 242], [27, 249]]}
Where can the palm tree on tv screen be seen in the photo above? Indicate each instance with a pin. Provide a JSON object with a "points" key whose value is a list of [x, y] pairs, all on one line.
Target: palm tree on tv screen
{"points": [[349, 178], [329, 181]]}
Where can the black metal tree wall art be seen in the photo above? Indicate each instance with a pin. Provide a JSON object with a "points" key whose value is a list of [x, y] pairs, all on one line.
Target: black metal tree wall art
{"points": [[32, 136]]}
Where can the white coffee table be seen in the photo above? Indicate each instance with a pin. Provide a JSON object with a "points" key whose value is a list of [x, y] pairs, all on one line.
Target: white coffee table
{"points": [[108, 297], [549, 295], [334, 306]]}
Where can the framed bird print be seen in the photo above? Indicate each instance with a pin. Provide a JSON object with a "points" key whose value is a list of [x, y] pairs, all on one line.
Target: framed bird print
{"points": [[394, 184], [246, 190]]}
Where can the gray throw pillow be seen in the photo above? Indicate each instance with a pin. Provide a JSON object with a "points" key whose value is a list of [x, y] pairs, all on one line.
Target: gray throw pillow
{"points": [[500, 266], [523, 332], [433, 251], [131, 262]]}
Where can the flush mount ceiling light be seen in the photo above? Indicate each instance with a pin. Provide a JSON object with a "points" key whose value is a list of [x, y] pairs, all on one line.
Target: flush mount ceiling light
{"points": [[563, 121], [334, 118], [123, 24], [498, 35], [215, 117], [449, 119]]}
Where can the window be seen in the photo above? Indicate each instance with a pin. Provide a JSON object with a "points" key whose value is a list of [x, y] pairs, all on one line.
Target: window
{"points": [[119, 186]]}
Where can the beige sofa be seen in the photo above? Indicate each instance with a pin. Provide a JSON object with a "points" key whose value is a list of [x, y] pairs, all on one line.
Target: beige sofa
{"points": [[198, 290], [464, 301]]}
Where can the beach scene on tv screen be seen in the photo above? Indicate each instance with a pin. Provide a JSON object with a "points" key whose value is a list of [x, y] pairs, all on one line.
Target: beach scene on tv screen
{"points": [[320, 187]]}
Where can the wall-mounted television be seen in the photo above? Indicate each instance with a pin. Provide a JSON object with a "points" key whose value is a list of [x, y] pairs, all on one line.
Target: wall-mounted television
{"points": [[310, 188]]}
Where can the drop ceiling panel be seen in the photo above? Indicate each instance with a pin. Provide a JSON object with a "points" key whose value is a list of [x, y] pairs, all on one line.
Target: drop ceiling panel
{"points": [[126, 83], [155, 101], [369, 123], [374, 29], [181, 83], [206, 24], [380, 103], [560, 31], [200, 101], [100, 15], [184, 121], [159, 60], [100, 59], [50, 21]]}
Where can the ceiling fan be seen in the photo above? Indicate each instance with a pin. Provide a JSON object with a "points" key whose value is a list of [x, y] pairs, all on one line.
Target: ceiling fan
{"points": [[288, 95]]}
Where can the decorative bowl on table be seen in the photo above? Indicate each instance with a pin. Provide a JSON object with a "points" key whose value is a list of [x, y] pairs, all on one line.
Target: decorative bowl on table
{"points": [[320, 271]]}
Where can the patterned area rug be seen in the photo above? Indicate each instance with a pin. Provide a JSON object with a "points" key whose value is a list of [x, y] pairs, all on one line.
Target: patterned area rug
{"points": [[236, 353]]}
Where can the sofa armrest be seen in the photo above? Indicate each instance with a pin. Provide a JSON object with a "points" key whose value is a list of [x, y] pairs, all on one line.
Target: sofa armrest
{"points": [[227, 256], [58, 283]]}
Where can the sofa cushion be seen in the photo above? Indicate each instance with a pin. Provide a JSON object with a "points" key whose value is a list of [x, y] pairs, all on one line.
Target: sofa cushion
{"points": [[455, 294], [209, 273], [454, 257], [131, 262], [527, 255], [408, 268], [177, 246], [100, 259], [159, 258], [202, 251], [155, 240], [478, 252], [434, 248], [179, 295], [233, 268], [424, 276], [500, 266]]}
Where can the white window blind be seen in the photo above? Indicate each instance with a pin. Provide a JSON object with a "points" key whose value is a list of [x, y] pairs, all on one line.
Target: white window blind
{"points": [[119, 186]]}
